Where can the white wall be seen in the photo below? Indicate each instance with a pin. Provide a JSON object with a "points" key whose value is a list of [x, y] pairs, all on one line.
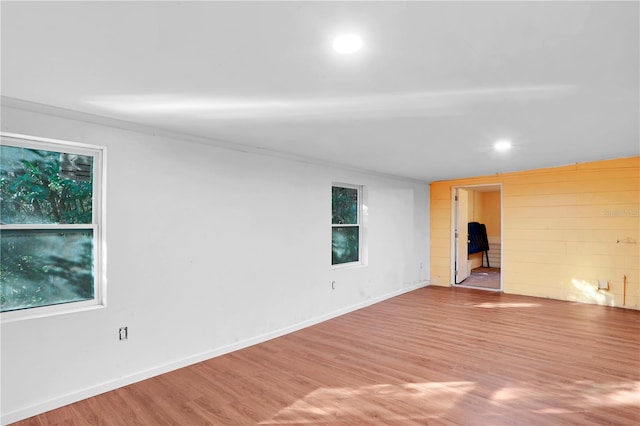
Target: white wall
{"points": [[209, 250]]}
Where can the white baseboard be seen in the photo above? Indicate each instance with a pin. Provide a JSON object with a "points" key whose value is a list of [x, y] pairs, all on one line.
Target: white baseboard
{"points": [[69, 398]]}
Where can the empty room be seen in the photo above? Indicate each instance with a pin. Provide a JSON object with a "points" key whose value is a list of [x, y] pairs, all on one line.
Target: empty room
{"points": [[276, 213]]}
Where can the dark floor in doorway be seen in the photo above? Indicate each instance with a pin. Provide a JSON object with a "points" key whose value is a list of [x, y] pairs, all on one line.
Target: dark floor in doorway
{"points": [[484, 277]]}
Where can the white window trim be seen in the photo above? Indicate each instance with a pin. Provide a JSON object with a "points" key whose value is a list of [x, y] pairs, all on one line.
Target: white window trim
{"points": [[98, 225], [359, 262]]}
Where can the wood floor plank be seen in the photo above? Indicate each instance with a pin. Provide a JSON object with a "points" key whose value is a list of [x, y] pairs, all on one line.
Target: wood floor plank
{"points": [[437, 356]]}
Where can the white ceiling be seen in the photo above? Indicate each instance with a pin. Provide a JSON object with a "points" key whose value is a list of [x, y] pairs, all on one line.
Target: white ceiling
{"points": [[434, 85]]}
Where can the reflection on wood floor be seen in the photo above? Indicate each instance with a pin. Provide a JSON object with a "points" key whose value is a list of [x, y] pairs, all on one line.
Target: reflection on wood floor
{"points": [[437, 355]]}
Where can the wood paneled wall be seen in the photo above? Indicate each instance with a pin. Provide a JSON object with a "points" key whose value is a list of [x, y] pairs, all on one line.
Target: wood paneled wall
{"points": [[491, 212], [484, 207], [564, 229]]}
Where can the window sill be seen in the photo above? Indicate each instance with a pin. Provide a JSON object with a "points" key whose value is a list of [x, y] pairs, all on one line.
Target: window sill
{"points": [[347, 266], [47, 311]]}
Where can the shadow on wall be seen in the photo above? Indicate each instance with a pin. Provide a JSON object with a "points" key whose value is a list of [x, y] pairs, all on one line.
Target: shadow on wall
{"points": [[586, 292]]}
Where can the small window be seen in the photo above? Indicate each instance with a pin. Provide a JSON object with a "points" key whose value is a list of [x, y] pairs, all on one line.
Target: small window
{"points": [[50, 226], [345, 224]]}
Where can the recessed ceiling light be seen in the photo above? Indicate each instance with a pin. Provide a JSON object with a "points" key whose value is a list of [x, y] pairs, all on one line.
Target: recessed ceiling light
{"points": [[347, 43], [502, 145]]}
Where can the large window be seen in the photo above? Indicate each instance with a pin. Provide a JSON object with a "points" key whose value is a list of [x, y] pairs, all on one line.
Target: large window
{"points": [[345, 224], [51, 228]]}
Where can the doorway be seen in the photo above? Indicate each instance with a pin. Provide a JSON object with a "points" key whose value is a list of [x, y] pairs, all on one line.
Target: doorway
{"points": [[480, 205]]}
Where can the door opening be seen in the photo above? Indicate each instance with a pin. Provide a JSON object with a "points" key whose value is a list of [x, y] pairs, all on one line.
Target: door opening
{"points": [[482, 207]]}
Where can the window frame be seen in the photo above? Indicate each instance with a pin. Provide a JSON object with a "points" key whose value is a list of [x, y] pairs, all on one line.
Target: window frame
{"points": [[97, 225], [358, 224]]}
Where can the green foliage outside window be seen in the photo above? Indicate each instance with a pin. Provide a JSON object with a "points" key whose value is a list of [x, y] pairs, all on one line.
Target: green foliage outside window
{"points": [[42, 267], [45, 267], [344, 205], [33, 189], [344, 245], [345, 239]]}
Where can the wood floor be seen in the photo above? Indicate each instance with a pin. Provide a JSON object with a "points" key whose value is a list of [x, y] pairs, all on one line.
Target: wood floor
{"points": [[441, 356]]}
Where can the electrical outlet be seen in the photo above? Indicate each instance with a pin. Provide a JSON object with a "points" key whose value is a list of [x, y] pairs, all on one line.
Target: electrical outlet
{"points": [[123, 333], [333, 285], [603, 285]]}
